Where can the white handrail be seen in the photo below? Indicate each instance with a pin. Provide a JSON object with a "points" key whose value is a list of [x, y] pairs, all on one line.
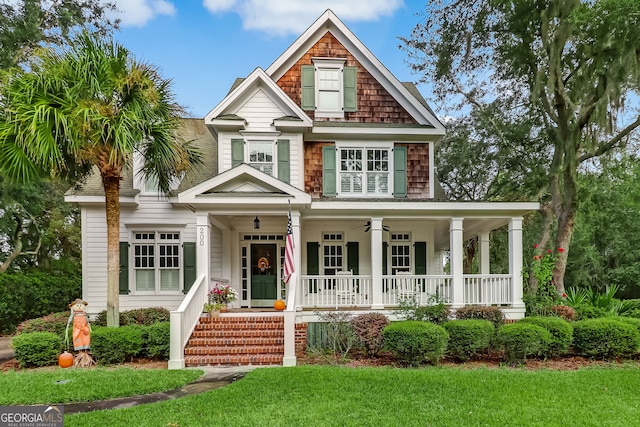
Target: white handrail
{"points": [[185, 319]]}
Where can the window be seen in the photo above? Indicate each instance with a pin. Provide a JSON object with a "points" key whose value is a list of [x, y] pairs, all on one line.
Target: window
{"points": [[400, 252], [329, 88], [261, 156], [364, 171], [332, 253], [156, 261]]}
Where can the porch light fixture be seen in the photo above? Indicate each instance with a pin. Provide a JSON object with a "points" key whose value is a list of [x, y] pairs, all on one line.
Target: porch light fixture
{"points": [[256, 223]]}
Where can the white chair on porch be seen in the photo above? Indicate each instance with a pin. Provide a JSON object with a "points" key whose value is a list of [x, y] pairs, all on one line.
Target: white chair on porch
{"points": [[345, 291], [405, 286]]}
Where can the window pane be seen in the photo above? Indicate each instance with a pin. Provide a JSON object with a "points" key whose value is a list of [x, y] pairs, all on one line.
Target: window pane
{"points": [[145, 280], [169, 280]]}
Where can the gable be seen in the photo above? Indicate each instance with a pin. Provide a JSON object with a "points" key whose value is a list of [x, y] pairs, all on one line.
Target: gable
{"points": [[328, 36], [243, 184], [375, 103]]}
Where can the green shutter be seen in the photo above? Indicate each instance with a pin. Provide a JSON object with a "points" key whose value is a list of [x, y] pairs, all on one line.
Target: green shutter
{"points": [[385, 247], [284, 173], [353, 257], [124, 268], [329, 171], [313, 258], [420, 257], [237, 152], [308, 87], [313, 264], [188, 265], [399, 171], [350, 81]]}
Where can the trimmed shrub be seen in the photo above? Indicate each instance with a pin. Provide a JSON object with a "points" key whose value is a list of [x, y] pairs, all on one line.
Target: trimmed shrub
{"points": [[468, 337], [630, 320], [368, 328], [605, 338], [37, 349], [521, 340], [156, 345], [415, 342], [138, 316], [116, 345], [588, 311], [437, 313], [490, 313], [54, 322], [561, 333]]}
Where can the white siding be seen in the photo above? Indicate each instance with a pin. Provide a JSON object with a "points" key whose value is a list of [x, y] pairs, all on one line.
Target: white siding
{"points": [[259, 111], [151, 214]]}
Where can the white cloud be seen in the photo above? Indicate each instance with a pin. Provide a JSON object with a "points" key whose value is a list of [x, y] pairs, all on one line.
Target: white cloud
{"points": [[282, 17], [136, 13]]}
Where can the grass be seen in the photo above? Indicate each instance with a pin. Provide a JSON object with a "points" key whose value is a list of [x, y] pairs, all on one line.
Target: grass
{"points": [[337, 396], [83, 385]]}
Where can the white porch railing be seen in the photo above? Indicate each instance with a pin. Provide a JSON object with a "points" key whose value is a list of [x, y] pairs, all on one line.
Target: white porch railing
{"points": [[486, 289], [335, 291], [356, 291], [424, 290], [185, 319]]}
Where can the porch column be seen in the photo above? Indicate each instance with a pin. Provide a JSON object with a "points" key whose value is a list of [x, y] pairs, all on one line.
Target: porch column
{"points": [[483, 239], [203, 245], [456, 262], [515, 261], [376, 264], [297, 255]]}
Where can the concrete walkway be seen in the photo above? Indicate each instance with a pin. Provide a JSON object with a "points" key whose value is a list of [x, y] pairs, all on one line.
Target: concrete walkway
{"points": [[213, 378]]}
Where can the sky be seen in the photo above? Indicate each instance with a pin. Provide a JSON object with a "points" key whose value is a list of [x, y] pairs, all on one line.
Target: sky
{"points": [[203, 45]]}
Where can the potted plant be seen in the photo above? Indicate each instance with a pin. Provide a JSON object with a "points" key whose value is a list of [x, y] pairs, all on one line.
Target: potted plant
{"points": [[212, 308], [222, 294]]}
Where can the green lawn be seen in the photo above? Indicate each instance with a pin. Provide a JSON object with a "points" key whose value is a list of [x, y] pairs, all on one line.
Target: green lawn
{"points": [[83, 385], [337, 396]]}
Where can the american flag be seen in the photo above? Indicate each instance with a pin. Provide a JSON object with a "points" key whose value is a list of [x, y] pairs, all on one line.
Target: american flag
{"points": [[288, 252]]}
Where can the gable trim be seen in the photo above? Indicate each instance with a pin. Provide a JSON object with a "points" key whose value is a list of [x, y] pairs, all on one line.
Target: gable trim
{"points": [[329, 22], [259, 76], [194, 195]]}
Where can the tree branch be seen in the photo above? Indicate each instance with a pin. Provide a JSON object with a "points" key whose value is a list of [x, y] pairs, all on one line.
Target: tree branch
{"points": [[613, 142]]}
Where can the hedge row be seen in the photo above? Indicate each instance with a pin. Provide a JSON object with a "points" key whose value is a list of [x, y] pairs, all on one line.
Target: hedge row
{"points": [[108, 345]]}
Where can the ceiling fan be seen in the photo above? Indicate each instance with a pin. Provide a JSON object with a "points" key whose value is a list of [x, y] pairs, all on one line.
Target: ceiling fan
{"points": [[368, 227]]}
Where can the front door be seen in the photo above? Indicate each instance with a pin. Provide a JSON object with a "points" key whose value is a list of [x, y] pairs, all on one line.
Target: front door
{"points": [[264, 274]]}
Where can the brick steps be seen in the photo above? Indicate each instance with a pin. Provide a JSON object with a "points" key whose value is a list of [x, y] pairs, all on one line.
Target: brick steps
{"points": [[236, 340]]}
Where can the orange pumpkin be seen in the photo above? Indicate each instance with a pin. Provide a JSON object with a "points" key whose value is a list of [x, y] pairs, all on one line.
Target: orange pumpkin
{"points": [[65, 360], [279, 305]]}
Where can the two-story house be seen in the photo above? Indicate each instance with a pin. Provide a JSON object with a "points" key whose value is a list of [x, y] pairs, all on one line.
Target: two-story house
{"points": [[328, 134]]}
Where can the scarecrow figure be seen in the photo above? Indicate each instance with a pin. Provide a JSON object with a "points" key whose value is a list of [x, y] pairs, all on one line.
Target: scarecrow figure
{"points": [[81, 333]]}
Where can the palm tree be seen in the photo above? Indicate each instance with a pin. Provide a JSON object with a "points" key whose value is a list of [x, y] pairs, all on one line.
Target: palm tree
{"points": [[92, 106]]}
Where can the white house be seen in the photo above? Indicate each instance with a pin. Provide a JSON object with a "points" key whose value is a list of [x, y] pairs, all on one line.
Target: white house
{"points": [[329, 134]]}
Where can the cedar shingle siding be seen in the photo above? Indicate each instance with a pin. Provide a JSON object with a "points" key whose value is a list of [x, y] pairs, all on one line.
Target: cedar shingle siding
{"points": [[375, 104], [313, 167], [417, 171]]}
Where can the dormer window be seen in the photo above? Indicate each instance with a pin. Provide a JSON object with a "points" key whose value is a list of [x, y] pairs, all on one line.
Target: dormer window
{"points": [[329, 87], [261, 155]]}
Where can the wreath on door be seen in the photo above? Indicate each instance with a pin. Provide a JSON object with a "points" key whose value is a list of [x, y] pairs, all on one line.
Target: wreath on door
{"points": [[263, 264]]}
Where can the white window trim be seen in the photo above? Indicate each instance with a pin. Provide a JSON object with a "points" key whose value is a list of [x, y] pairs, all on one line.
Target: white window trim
{"points": [[364, 145], [132, 261], [333, 240], [274, 145], [329, 63], [401, 242]]}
